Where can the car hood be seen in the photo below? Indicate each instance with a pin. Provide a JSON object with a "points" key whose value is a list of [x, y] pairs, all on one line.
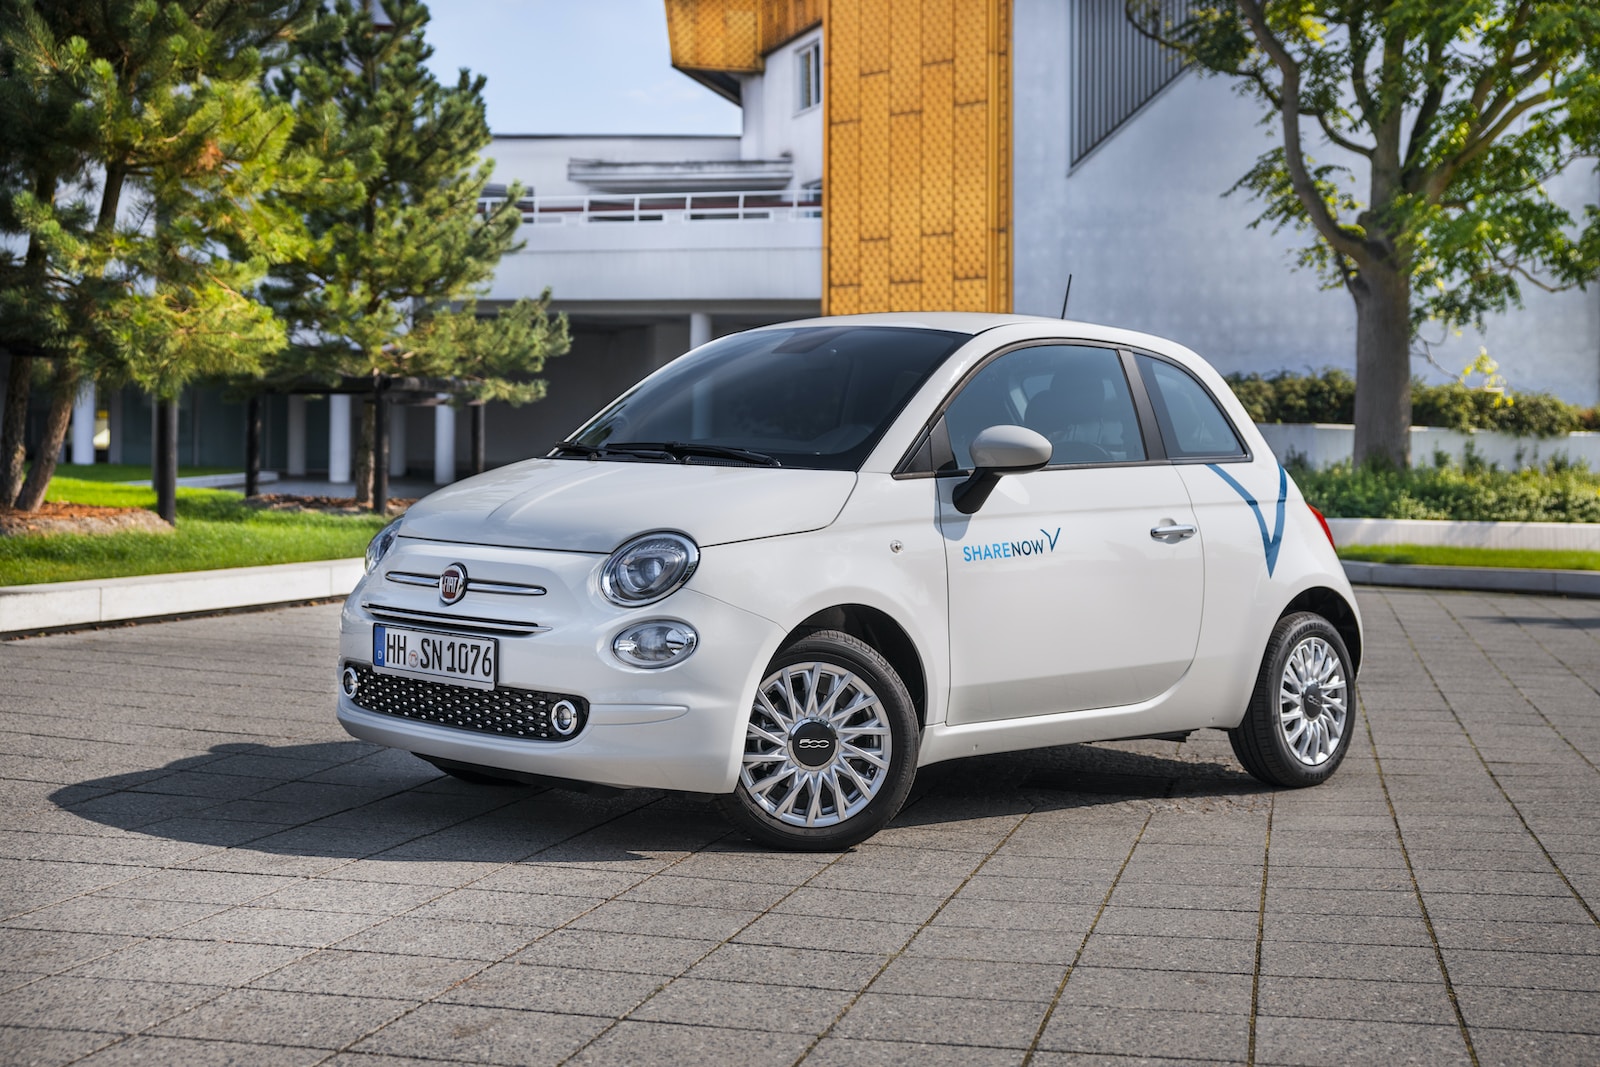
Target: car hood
{"points": [[585, 506]]}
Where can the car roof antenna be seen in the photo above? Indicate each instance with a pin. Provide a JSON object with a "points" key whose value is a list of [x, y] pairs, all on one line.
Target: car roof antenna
{"points": [[1064, 299]]}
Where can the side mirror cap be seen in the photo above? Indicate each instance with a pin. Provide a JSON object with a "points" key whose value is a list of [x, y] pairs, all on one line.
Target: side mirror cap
{"points": [[997, 451]]}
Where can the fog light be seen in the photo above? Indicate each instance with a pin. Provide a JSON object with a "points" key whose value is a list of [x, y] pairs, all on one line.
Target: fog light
{"points": [[564, 718], [349, 681], [655, 644]]}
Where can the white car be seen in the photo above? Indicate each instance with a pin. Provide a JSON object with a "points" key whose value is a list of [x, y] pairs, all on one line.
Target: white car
{"points": [[798, 563]]}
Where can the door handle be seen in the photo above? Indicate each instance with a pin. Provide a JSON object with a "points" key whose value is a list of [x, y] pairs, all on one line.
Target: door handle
{"points": [[1172, 532]]}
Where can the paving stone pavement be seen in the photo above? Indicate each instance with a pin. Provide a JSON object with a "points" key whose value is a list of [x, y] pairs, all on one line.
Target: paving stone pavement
{"points": [[198, 866]]}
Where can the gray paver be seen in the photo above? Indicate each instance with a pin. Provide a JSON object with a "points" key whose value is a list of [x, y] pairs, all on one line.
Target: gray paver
{"points": [[198, 877]]}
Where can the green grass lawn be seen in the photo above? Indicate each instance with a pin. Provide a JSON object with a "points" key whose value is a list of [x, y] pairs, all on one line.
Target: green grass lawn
{"points": [[215, 529], [1447, 556], [126, 472]]}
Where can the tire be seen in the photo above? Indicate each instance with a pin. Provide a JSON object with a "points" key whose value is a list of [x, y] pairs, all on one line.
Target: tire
{"points": [[1301, 716], [468, 772], [824, 778]]}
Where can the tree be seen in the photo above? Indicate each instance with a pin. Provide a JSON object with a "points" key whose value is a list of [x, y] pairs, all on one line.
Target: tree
{"points": [[1455, 112], [143, 149], [399, 249]]}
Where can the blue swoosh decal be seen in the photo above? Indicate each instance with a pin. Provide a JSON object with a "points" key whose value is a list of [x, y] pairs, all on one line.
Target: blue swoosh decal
{"points": [[1271, 543]]}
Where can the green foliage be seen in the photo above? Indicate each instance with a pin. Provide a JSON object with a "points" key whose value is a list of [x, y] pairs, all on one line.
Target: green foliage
{"points": [[1453, 114], [399, 250], [1558, 492], [1330, 397], [215, 529], [134, 226], [1458, 112]]}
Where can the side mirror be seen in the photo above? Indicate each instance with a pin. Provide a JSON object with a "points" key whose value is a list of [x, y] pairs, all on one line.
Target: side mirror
{"points": [[997, 451]]}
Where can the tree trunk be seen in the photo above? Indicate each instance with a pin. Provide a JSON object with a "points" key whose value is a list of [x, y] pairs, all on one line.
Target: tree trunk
{"points": [[363, 463], [63, 393], [13, 438], [1383, 367], [380, 453], [164, 460], [252, 446]]}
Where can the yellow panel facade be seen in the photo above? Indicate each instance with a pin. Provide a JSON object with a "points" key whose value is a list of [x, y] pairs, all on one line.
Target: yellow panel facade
{"points": [[917, 171], [734, 35], [916, 142]]}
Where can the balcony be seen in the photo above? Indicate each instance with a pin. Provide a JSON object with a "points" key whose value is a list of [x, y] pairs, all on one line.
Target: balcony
{"points": [[710, 247]]}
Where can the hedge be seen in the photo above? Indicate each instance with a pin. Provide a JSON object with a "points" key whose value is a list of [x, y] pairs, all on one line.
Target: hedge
{"points": [[1330, 397], [1558, 492]]}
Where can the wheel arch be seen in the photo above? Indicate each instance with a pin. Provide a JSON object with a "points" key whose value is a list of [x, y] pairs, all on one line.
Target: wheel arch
{"points": [[1337, 610], [878, 629]]}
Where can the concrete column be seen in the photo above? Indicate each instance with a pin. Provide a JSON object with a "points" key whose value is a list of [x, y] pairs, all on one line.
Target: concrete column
{"points": [[699, 328], [83, 425], [297, 437], [444, 442], [339, 437], [397, 440]]}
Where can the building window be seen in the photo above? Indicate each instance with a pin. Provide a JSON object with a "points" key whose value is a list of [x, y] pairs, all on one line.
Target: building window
{"points": [[808, 66], [1119, 69]]}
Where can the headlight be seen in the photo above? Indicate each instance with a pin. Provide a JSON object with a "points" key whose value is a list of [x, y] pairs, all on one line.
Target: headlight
{"points": [[659, 643], [648, 568], [380, 545]]}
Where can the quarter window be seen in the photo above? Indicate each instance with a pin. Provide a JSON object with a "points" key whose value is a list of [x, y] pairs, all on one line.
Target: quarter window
{"points": [[1076, 396], [1192, 425]]}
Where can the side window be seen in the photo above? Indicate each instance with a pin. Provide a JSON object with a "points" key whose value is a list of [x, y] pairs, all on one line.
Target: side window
{"points": [[1192, 426], [1075, 396]]}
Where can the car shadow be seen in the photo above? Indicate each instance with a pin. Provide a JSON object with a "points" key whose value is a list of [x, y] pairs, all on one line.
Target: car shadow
{"points": [[349, 800], [1077, 776]]}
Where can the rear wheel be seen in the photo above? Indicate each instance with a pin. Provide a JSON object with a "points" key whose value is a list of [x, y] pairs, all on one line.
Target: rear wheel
{"points": [[830, 747], [1300, 720]]}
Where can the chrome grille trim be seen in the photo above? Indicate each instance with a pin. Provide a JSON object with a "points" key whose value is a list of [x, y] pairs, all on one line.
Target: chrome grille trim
{"points": [[474, 585], [468, 623], [518, 714]]}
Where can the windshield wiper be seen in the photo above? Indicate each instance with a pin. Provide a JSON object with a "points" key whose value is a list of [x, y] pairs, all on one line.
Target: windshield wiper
{"points": [[671, 451], [683, 450]]}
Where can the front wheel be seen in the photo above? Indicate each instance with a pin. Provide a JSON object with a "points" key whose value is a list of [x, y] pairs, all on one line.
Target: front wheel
{"points": [[1299, 723], [830, 747]]}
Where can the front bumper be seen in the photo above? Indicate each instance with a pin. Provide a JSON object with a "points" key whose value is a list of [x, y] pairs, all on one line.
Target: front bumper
{"points": [[681, 727]]}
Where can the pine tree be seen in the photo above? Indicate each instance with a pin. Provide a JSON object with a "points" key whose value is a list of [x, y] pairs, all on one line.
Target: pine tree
{"points": [[138, 180], [399, 247]]}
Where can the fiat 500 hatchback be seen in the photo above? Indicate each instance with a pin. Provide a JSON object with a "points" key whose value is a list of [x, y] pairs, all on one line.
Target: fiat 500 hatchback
{"points": [[800, 562]]}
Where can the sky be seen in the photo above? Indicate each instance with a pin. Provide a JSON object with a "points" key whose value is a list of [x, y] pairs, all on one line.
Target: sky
{"points": [[573, 66]]}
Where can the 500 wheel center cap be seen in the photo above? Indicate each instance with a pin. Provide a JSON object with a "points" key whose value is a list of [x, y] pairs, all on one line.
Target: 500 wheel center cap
{"points": [[813, 744]]}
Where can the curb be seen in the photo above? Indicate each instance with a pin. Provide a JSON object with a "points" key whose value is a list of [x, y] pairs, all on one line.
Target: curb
{"points": [[28, 609], [1475, 579]]}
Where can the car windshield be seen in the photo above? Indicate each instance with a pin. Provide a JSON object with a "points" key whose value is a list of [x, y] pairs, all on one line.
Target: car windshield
{"points": [[815, 397]]}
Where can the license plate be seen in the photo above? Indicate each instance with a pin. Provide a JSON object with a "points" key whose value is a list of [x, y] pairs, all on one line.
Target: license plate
{"points": [[468, 661]]}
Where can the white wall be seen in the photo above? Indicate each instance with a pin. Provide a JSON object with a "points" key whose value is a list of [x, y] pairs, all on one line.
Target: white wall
{"points": [[773, 127], [1143, 226], [648, 261]]}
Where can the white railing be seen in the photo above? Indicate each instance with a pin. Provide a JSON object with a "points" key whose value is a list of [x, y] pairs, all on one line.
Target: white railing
{"points": [[664, 207]]}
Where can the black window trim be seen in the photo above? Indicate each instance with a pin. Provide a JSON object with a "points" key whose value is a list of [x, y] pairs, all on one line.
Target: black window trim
{"points": [[925, 445], [1162, 418]]}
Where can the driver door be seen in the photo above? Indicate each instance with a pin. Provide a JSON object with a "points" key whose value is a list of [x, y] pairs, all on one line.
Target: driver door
{"points": [[1061, 597]]}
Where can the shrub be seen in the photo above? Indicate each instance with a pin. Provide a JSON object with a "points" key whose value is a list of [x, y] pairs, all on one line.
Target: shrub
{"points": [[1330, 397], [1558, 492]]}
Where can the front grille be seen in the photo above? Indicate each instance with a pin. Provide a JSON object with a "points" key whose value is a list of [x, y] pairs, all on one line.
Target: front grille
{"points": [[519, 713]]}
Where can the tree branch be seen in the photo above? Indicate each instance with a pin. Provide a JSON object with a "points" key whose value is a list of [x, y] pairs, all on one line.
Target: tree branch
{"points": [[1338, 238]]}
